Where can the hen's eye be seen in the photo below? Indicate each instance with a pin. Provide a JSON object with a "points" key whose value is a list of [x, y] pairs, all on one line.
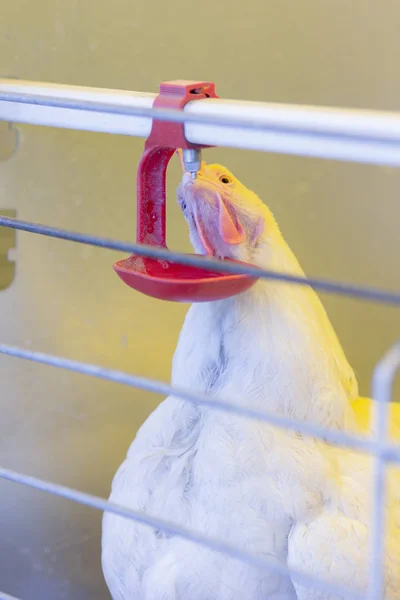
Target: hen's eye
{"points": [[183, 205], [224, 179]]}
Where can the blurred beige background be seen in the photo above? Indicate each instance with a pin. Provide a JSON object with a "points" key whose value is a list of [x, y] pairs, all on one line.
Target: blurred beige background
{"points": [[342, 221]]}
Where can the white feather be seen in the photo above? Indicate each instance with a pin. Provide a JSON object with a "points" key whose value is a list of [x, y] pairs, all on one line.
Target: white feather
{"points": [[333, 543]]}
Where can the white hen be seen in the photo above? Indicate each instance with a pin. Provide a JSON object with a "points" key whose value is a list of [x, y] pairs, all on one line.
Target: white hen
{"points": [[239, 480]]}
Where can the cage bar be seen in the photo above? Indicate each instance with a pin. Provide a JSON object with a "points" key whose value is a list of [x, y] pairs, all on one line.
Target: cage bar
{"points": [[382, 390], [321, 132], [340, 134]]}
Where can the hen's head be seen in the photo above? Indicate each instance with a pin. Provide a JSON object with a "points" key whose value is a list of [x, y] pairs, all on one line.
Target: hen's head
{"points": [[225, 219]]}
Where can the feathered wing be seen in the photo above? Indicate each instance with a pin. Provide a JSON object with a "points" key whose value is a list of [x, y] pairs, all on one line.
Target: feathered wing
{"points": [[334, 544]]}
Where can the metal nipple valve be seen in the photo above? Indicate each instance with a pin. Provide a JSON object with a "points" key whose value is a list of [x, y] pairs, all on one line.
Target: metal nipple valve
{"points": [[192, 161]]}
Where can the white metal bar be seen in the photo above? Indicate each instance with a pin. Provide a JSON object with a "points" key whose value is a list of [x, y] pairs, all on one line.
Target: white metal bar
{"points": [[341, 134], [337, 134], [382, 384], [58, 115]]}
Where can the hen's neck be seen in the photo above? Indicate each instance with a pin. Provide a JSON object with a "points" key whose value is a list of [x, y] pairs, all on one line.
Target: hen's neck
{"points": [[271, 347]]}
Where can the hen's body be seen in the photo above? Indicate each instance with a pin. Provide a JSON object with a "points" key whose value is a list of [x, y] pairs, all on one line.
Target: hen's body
{"points": [[244, 482]]}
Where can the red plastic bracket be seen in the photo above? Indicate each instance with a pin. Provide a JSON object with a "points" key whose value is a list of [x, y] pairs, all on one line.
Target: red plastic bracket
{"points": [[160, 278], [174, 95], [165, 137]]}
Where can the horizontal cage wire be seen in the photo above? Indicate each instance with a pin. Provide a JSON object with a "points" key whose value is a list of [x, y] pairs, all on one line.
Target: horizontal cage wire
{"points": [[359, 136], [333, 287], [390, 452]]}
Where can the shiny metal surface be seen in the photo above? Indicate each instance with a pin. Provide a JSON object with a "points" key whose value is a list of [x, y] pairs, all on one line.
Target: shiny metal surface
{"points": [[341, 220], [192, 161]]}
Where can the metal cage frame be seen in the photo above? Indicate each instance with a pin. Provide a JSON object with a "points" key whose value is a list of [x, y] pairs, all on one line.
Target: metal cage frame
{"points": [[348, 135]]}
